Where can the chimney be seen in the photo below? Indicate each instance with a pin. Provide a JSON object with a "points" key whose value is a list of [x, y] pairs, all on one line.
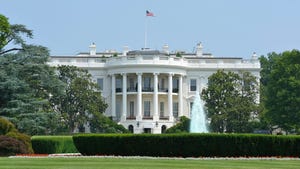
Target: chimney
{"points": [[199, 50], [254, 56], [125, 50], [93, 49], [165, 48]]}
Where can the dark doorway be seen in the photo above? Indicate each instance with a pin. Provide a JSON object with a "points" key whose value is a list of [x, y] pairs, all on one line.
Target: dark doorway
{"points": [[130, 128], [163, 129], [147, 130]]}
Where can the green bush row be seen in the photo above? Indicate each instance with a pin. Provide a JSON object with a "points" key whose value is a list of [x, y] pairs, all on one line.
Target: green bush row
{"points": [[53, 144], [188, 145]]}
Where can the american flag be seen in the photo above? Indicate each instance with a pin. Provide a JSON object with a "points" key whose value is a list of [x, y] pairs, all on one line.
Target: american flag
{"points": [[148, 13]]}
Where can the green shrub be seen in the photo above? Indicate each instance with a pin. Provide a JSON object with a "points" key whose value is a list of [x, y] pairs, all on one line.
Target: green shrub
{"points": [[23, 138], [8, 129], [182, 127], [53, 144], [188, 145], [102, 124], [6, 126], [10, 146]]}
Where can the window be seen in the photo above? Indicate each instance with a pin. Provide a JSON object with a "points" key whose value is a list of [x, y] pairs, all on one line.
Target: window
{"points": [[175, 85], [147, 108], [118, 85], [131, 109], [162, 109], [147, 84], [131, 84], [100, 83], [191, 107], [162, 83], [161, 87], [175, 109], [147, 81], [193, 84]]}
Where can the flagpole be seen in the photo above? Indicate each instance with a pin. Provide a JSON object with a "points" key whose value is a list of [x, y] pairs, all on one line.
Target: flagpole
{"points": [[146, 31]]}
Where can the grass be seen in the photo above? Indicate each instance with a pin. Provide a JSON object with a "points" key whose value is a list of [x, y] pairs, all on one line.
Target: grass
{"points": [[126, 163]]}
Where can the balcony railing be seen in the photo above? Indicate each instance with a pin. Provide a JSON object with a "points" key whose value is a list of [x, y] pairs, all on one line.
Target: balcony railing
{"points": [[131, 118], [162, 89], [147, 89], [131, 89], [164, 118], [147, 118]]}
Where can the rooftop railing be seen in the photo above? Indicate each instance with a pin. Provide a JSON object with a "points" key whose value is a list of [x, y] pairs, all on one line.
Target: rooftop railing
{"points": [[155, 60]]}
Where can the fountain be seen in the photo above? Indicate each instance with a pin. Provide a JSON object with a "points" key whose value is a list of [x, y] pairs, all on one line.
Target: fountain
{"points": [[198, 118]]}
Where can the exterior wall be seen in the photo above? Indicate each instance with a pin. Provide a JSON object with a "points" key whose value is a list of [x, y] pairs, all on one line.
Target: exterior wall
{"points": [[126, 68]]}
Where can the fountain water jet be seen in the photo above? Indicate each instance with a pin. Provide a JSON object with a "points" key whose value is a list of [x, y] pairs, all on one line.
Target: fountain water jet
{"points": [[198, 118]]}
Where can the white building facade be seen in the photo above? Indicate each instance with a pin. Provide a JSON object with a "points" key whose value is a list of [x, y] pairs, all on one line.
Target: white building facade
{"points": [[148, 90]]}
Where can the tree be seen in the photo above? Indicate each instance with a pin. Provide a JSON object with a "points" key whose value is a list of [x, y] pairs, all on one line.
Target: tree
{"points": [[267, 64], [82, 100], [183, 126], [282, 90], [102, 124], [26, 81], [26, 86], [4, 30], [231, 101], [12, 34]]}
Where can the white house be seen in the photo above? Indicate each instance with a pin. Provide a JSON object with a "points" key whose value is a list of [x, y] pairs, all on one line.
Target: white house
{"points": [[147, 90]]}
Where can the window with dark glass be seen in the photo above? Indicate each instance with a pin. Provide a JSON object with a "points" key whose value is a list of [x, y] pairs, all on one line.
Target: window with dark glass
{"points": [[118, 85], [175, 109], [147, 108], [147, 84], [131, 109], [100, 83], [162, 109], [175, 85], [193, 85], [131, 84], [162, 86], [191, 107]]}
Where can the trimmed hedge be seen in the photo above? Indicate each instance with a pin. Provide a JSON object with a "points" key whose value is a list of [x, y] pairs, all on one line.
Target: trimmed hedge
{"points": [[53, 144], [188, 145]]}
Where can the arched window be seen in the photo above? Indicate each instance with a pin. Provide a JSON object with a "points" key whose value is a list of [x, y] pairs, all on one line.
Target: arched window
{"points": [[163, 128], [130, 128]]}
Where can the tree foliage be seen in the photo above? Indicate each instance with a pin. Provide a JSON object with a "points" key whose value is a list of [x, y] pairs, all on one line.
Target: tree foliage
{"points": [[231, 101], [39, 99], [26, 81], [102, 124], [9, 130], [183, 126], [26, 85], [282, 84], [82, 100], [12, 34], [4, 30]]}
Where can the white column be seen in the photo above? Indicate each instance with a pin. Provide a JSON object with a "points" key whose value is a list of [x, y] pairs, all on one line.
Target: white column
{"points": [[139, 97], [180, 104], [155, 97], [170, 97], [113, 95], [124, 97]]}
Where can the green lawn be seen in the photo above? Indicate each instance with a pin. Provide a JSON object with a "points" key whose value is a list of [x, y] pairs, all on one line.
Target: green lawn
{"points": [[119, 163]]}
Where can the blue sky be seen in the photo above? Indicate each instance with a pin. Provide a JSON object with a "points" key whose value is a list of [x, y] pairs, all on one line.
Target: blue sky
{"points": [[226, 28]]}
